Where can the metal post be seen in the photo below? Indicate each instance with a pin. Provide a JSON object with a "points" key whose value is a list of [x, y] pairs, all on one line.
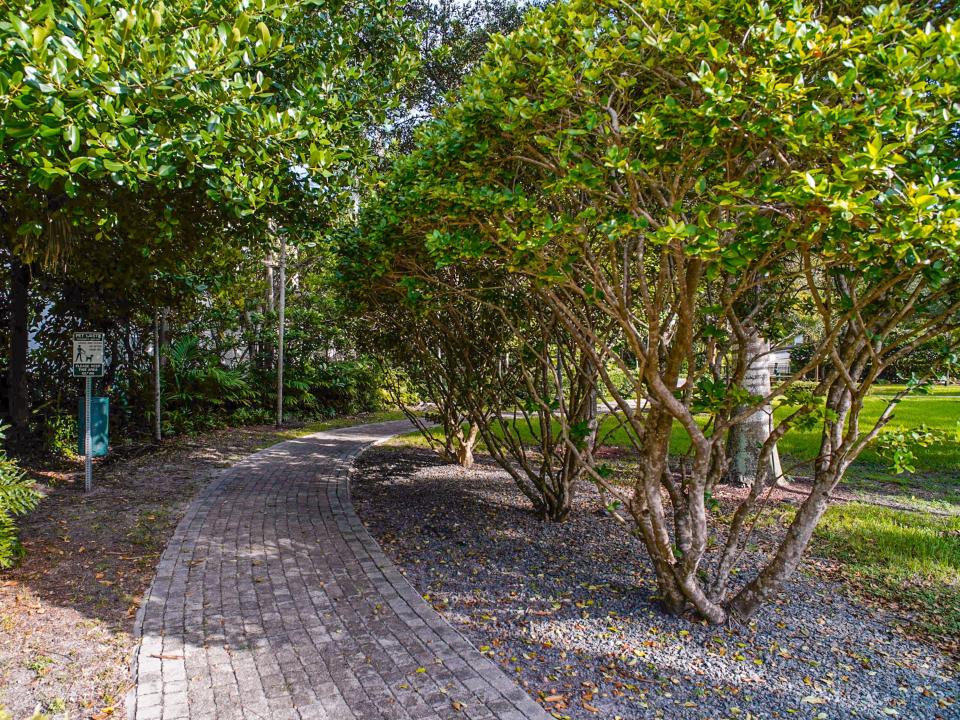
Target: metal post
{"points": [[283, 309], [88, 438], [157, 426]]}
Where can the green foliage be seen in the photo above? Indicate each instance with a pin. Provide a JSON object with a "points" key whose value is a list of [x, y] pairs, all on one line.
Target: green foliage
{"points": [[229, 96], [695, 175], [203, 393], [152, 153], [348, 386], [252, 416], [17, 498], [327, 388], [59, 434], [901, 446], [796, 74], [196, 376], [620, 380], [199, 391], [939, 353]]}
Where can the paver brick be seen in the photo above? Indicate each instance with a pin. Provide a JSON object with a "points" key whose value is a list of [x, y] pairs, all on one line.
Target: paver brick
{"points": [[272, 600]]}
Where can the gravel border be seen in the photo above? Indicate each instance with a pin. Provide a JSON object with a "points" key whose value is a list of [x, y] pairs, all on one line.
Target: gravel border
{"points": [[570, 610]]}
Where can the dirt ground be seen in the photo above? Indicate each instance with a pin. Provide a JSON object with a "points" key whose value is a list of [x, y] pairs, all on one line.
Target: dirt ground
{"points": [[67, 612]]}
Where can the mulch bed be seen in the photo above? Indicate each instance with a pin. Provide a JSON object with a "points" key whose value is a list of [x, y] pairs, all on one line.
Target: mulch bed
{"points": [[67, 612], [570, 610]]}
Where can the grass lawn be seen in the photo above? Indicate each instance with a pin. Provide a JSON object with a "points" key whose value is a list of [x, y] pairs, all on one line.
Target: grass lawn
{"points": [[907, 559], [937, 412], [940, 390]]}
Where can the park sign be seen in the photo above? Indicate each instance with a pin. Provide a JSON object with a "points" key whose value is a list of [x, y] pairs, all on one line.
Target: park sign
{"points": [[88, 354], [88, 364]]}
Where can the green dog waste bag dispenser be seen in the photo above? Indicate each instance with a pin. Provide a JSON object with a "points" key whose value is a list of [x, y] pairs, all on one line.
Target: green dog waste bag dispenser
{"points": [[99, 426]]}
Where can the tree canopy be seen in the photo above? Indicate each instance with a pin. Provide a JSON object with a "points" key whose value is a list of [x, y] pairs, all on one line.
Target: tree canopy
{"points": [[695, 174]]}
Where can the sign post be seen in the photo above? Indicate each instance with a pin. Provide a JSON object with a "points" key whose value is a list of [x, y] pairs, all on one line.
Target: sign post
{"points": [[87, 438], [88, 364]]}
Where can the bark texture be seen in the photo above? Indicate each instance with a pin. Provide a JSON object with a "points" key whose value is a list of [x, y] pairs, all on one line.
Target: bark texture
{"points": [[17, 379], [746, 438]]}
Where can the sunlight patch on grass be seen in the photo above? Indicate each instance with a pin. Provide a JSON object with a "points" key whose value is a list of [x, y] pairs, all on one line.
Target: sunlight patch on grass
{"points": [[897, 555], [342, 422]]}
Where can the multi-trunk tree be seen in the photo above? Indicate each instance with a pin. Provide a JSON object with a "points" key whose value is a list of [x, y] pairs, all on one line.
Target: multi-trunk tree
{"points": [[700, 175], [494, 362]]}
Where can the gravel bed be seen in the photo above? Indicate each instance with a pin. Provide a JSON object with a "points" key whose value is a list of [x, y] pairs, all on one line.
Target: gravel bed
{"points": [[570, 611]]}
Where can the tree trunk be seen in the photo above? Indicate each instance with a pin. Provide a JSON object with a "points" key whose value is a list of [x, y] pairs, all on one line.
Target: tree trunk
{"points": [[465, 444], [131, 356], [157, 425], [266, 347], [114, 360], [19, 398], [271, 285], [164, 335], [252, 352], [747, 437], [770, 580]]}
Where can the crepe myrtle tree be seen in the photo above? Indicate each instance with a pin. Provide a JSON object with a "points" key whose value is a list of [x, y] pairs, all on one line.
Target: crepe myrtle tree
{"points": [[490, 356], [406, 316], [695, 173]]}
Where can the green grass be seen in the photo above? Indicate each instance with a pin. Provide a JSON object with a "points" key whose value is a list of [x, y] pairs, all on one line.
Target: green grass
{"points": [[342, 421], [939, 390], [906, 557], [937, 466], [415, 439], [937, 412]]}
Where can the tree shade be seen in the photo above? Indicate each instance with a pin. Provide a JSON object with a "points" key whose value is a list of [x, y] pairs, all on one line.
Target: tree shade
{"points": [[695, 173]]}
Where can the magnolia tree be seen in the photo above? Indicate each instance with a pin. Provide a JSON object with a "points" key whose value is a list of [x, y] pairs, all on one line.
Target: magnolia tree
{"points": [[697, 175], [251, 108]]}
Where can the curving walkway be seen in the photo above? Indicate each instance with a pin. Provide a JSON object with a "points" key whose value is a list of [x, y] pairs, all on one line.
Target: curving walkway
{"points": [[273, 601]]}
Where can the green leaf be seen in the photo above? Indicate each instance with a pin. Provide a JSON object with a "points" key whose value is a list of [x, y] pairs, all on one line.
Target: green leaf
{"points": [[72, 137]]}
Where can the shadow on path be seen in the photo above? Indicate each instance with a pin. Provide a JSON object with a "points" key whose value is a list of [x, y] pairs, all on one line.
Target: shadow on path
{"points": [[272, 601]]}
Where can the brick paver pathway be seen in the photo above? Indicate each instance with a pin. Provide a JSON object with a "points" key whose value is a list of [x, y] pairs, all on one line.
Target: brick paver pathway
{"points": [[273, 601]]}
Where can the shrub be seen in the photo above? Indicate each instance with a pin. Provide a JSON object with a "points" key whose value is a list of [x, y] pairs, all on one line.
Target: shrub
{"points": [[17, 497], [348, 386], [251, 416], [59, 431]]}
